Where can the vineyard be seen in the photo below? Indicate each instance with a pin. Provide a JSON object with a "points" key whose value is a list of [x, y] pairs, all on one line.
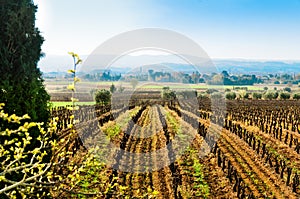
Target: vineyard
{"points": [[170, 149]]}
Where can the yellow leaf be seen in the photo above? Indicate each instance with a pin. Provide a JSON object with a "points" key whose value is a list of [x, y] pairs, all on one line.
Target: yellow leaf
{"points": [[73, 108], [32, 124], [155, 192], [72, 54], [2, 178], [76, 79], [78, 61], [26, 116], [74, 99], [122, 187], [71, 71], [71, 87], [18, 144]]}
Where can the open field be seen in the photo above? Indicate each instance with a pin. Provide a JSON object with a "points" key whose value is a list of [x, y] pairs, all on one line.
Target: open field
{"points": [[61, 86], [84, 90]]}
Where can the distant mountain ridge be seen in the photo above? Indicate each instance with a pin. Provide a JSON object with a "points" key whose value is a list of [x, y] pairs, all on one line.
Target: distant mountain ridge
{"points": [[60, 64], [257, 67]]}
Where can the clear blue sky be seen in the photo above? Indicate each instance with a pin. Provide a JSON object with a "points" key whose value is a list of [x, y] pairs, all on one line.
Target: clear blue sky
{"points": [[249, 29]]}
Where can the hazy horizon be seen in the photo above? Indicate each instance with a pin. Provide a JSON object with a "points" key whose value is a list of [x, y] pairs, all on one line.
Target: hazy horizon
{"points": [[61, 63]]}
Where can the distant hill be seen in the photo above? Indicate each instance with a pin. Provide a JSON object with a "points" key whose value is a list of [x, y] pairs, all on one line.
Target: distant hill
{"points": [[257, 67], [125, 64]]}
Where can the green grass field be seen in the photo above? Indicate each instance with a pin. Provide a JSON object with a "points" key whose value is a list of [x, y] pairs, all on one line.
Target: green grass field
{"points": [[57, 104]]}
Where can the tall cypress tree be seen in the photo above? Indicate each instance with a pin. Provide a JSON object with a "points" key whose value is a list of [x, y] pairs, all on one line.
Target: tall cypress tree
{"points": [[21, 83]]}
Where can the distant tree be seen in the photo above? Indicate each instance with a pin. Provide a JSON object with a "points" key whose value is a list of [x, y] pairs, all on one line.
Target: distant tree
{"points": [[151, 75], [103, 97], [296, 96], [225, 73], [268, 95], [287, 89], [277, 82], [230, 95], [112, 88], [202, 96], [275, 88], [168, 94], [256, 95], [244, 94], [271, 95], [265, 88], [286, 77], [285, 95]]}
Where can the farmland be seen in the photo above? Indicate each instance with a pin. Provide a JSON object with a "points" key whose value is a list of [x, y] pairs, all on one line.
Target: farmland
{"points": [[161, 100], [60, 94], [170, 149]]}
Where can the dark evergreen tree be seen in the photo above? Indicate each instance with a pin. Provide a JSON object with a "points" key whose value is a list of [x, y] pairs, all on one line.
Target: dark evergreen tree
{"points": [[21, 83], [112, 88]]}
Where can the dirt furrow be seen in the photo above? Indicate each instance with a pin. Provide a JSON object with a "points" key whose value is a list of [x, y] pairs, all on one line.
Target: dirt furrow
{"points": [[275, 186], [281, 148]]}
